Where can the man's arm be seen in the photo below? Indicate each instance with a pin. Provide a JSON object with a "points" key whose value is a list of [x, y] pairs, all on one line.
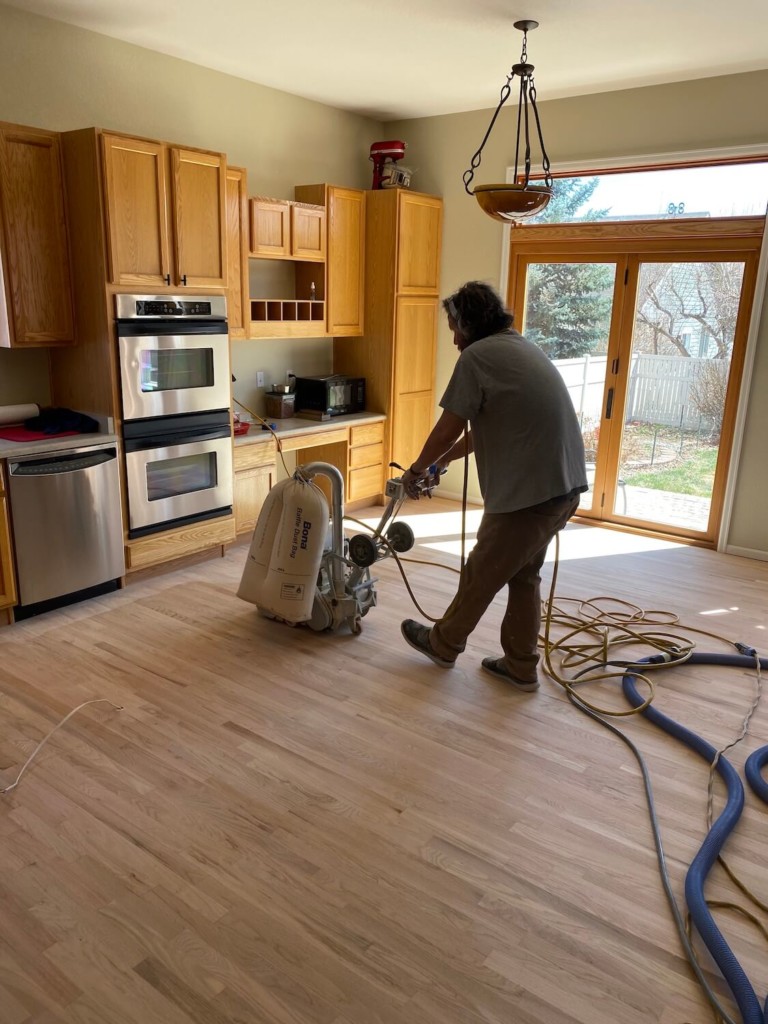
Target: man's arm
{"points": [[463, 447], [441, 443]]}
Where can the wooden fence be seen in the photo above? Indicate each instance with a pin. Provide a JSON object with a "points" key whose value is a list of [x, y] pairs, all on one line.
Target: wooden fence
{"points": [[659, 389]]}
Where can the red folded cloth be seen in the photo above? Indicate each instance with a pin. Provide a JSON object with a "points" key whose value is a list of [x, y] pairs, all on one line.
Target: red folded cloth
{"points": [[22, 434]]}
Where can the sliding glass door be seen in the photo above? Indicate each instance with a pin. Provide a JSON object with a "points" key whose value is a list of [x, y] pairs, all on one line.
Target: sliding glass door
{"points": [[650, 345]]}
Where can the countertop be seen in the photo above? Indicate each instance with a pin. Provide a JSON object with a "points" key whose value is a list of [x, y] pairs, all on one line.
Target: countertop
{"points": [[297, 425], [12, 449]]}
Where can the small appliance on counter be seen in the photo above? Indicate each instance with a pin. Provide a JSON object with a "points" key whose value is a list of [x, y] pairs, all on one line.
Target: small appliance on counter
{"points": [[280, 401], [330, 395]]}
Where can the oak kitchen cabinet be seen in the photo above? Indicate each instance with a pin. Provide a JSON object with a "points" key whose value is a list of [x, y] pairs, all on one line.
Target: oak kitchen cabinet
{"points": [[345, 261], [254, 467], [282, 230], [7, 580], [166, 214], [36, 306], [332, 222], [396, 354], [238, 298]]}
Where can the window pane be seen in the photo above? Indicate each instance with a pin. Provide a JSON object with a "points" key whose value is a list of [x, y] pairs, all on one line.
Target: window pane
{"points": [[735, 190], [685, 321]]}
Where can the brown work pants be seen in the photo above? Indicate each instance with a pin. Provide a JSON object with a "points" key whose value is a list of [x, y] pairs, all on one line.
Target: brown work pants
{"points": [[511, 548]]}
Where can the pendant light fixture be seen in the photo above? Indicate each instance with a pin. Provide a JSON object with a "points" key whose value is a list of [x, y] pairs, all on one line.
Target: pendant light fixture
{"points": [[514, 202]]}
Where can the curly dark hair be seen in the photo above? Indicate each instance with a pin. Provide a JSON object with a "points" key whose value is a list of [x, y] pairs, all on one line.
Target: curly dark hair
{"points": [[478, 311]]}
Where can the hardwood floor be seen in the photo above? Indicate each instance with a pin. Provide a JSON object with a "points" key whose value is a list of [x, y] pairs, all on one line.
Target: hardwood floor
{"points": [[297, 828]]}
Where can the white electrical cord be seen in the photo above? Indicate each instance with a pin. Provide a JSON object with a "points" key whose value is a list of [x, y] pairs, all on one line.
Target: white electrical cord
{"points": [[41, 744]]}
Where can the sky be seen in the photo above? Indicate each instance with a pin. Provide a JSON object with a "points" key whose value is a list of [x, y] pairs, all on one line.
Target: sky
{"points": [[727, 191]]}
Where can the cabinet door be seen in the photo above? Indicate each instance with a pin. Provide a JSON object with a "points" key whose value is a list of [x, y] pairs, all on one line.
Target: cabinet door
{"points": [[270, 229], [415, 342], [251, 489], [307, 232], [413, 416], [237, 252], [38, 283], [199, 218], [7, 582], [346, 261], [420, 221], [136, 186]]}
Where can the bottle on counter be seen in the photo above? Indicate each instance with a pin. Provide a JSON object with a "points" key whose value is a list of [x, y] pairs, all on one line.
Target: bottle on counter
{"points": [[312, 292]]}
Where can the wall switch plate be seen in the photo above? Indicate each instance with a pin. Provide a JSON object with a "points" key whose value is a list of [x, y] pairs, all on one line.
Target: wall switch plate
{"points": [[259, 379]]}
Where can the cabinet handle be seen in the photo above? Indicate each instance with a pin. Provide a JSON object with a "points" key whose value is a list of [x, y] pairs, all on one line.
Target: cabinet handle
{"points": [[183, 278], [167, 278]]}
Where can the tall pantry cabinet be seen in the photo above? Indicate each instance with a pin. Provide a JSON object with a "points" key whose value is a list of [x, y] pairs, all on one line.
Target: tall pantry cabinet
{"points": [[396, 354]]}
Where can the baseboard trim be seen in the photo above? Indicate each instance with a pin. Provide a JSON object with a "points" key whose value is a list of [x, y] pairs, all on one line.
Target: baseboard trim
{"points": [[732, 549]]}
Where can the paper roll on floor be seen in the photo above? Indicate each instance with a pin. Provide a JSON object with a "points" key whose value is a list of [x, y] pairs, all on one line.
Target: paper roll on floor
{"points": [[17, 413]]}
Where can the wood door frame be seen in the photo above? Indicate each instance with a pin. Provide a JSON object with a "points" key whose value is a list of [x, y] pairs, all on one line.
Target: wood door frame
{"points": [[679, 240]]}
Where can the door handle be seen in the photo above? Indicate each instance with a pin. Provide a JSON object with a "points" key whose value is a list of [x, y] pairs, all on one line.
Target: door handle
{"points": [[609, 404]]}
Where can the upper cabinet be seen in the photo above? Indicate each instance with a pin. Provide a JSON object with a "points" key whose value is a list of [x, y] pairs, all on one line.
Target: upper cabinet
{"points": [[238, 305], [419, 236], [35, 282], [281, 230], [166, 214], [345, 261], [396, 354]]}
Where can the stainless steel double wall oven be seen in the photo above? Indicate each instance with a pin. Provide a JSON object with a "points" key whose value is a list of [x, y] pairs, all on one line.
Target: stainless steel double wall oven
{"points": [[175, 380]]}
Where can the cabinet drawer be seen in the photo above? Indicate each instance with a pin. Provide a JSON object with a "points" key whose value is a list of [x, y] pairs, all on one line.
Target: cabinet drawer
{"points": [[367, 455], [365, 482], [312, 439], [367, 433], [163, 547], [247, 456]]}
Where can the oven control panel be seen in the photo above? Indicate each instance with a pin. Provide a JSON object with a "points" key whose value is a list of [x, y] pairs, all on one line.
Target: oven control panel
{"points": [[167, 307]]}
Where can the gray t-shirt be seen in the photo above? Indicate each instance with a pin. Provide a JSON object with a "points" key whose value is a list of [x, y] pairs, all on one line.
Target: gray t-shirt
{"points": [[526, 435]]}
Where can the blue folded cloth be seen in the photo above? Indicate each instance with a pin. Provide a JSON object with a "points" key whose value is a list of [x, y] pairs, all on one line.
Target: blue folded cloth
{"points": [[56, 421]]}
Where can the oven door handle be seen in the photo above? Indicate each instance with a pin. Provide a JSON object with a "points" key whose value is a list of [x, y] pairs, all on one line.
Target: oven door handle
{"points": [[170, 438]]}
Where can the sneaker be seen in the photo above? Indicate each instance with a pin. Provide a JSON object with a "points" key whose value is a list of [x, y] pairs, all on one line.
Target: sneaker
{"points": [[496, 667], [418, 637]]}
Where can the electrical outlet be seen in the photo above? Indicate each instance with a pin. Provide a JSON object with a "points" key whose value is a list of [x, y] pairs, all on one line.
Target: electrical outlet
{"points": [[259, 379]]}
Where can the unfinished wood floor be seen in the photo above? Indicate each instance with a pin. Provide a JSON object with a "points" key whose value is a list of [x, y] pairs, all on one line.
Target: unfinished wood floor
{"points": [[292, 828]]}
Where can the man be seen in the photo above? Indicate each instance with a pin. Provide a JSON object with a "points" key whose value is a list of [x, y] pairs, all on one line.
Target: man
{"points": [[530, 464]]}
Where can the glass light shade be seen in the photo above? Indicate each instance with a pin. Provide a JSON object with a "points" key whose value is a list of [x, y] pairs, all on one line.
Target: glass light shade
{"points": [[511, 203]]}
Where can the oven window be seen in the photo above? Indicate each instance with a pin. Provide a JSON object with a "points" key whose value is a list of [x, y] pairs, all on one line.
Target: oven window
{"points": [[169, 478], [176, 369]]}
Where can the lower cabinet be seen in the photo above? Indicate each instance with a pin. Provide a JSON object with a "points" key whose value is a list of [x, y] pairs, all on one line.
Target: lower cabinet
{"points": [[7, 581], [356, 451], [365, 478], [254, 466], [251, 489]]}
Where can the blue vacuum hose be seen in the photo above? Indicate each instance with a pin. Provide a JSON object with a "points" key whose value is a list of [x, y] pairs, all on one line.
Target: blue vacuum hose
{"points": [[695, 880]]}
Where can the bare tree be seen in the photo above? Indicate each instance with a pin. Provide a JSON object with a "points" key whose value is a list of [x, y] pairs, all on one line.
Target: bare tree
{"points": [[672, 297]]}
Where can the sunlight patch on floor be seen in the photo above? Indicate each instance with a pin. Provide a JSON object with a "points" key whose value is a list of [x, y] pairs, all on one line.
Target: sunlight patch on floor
{"points": [[441, 532]]}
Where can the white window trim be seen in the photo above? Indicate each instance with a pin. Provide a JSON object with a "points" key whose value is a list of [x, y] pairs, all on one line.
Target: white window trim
{"points": [[761, 287]]}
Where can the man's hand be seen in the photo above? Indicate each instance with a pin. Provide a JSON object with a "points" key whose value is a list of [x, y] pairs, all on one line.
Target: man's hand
{"points": [[410, 482]]}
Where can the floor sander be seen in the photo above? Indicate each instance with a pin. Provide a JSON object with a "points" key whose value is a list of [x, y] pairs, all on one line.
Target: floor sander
{"points": [[301, 569]]}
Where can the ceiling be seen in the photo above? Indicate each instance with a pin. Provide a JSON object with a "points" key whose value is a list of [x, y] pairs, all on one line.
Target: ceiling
{"points": [[392, 59]]}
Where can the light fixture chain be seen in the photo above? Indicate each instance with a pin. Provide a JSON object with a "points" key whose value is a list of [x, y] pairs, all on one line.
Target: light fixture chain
{"points": [[475, 161], [544, 158]]}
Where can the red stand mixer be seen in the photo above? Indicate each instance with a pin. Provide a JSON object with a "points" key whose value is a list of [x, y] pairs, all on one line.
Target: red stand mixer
{"points": [[385, 156]]}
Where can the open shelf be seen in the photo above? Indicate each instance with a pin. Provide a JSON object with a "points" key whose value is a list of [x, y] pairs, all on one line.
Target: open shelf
{"points": [[281, 310], [287, 318]]}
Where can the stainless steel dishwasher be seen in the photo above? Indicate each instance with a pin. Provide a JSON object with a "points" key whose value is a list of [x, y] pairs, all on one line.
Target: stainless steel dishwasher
{"points": [[67, 524]]}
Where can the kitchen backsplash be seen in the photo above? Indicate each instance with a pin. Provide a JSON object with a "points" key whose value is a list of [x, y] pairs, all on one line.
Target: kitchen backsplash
{"points": [[24, 377], [301, 356]]}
